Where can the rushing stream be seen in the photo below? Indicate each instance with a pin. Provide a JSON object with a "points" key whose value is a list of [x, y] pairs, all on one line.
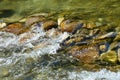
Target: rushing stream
{"points": [[33, 55]]}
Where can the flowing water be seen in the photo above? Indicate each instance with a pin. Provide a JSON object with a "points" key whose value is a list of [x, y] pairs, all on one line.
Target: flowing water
{"points": [[28, 56]]}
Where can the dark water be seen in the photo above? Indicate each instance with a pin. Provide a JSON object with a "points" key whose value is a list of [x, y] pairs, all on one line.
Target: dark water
{"points": [[21, 66]]}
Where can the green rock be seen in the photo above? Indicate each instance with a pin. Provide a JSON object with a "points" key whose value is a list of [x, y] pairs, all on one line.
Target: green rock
{"points": [[110, 57]]}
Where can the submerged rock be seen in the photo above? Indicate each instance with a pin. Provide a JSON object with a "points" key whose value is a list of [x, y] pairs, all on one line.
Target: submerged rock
{"points": [[86, 55], [69, 26], [110, 57], [31, 20]]}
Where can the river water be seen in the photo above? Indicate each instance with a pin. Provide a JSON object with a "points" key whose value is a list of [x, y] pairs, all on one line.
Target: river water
{"points": [[29, 59]]}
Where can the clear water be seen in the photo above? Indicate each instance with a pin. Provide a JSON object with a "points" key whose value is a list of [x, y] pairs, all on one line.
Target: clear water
{"points": [[18, 57]]}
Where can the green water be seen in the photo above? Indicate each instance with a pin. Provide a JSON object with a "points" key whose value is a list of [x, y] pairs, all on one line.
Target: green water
{"points": [[13, 10]]}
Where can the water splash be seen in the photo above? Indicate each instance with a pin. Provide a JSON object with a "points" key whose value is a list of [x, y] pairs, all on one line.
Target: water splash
{"points": [[100, 75], [34, 43]]}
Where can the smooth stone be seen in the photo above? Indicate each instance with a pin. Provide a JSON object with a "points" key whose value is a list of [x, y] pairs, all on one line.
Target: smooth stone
{"points": [[15, 28], [49, 24], [68, 26], [110, 57], [85, 55]]}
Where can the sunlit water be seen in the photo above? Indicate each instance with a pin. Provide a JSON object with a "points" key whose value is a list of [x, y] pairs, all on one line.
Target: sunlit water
{"points": [[15, 52]]}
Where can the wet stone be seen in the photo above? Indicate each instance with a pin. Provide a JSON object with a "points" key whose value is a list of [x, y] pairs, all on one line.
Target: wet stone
{"points": [[49, 24], [15, 28], [69, 26], [86, 55], [110, 57]]}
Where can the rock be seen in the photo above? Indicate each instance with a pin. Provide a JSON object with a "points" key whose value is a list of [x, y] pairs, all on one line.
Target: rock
{"points": [[14, 28], [108, 35], [2, 25], [90, 25], [33, 19], [110, 57], [85, 55], [60, 19], [70, 26], [49, 24]]}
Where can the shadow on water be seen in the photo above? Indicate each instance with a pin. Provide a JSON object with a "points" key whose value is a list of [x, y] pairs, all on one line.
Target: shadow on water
{"points": [[6, 13]]}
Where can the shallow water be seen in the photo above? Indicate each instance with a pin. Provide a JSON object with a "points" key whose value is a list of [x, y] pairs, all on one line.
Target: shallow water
{"points": [[22, 60]]}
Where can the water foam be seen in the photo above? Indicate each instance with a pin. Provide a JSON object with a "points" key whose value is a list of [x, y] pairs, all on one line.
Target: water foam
{"points": [[100, 75], [37, 39]]}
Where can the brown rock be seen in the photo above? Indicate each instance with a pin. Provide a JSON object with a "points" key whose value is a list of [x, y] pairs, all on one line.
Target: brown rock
{"points": [[15, 28], [85, 55], [69, 26], [49, 24]]}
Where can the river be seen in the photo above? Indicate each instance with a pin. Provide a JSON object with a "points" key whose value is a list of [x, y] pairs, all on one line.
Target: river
{"points": [[26, 61]]}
